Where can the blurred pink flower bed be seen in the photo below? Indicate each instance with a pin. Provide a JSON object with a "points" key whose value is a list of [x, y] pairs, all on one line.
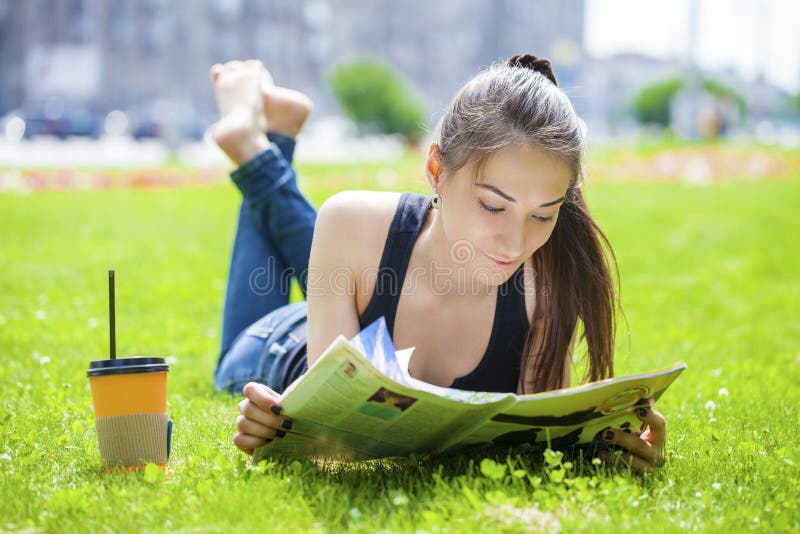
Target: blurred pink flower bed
{"points": [[696, 165]]}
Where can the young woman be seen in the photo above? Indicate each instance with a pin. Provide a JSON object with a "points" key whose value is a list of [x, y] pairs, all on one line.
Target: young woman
{"points": [[487, 277]]}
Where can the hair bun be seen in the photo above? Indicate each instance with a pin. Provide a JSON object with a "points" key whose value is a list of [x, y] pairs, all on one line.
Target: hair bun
{"points": [[539, 64]]}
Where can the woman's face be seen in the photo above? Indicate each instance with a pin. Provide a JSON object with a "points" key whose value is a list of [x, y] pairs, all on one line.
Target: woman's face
{"points": [[493, 226]]}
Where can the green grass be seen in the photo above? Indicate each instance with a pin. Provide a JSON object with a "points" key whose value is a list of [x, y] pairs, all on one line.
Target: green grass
{"points": [[709, 275]]}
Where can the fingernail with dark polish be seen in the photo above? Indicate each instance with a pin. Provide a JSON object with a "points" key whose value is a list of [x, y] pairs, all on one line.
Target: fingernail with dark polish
{"points": [[280, 433], [287, 424], [609, 435], [643, 412], [275, 409]]}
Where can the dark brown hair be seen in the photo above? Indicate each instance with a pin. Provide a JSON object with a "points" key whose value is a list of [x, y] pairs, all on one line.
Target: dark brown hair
{"points": [[518, 102]]}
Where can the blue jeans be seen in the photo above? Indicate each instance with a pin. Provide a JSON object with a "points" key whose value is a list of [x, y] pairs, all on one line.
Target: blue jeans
{"points": [[272, 245]]}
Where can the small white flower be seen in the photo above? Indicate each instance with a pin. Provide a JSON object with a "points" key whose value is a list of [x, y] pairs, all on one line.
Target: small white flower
{"points": [[710, 406], [723, 392], [41, 315], [597, 461], [400, 500], [5, 456], [93, 322], [171, 360], [41, 359], [716, 485], [698, 494]]}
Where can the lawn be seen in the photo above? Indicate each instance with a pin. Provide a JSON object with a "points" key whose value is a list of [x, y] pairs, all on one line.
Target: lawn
{"points": [[710, 275]]}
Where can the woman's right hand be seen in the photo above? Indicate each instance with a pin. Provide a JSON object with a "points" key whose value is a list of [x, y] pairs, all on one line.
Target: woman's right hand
{"points": [[259, 422]]}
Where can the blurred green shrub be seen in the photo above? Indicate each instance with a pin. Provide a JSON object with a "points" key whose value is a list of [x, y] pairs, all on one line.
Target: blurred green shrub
{"points": [[652, 104], [720, 90], [377, 99]]}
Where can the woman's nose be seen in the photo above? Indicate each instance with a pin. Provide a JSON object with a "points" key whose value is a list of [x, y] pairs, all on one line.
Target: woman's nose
{"points": [[513, 245]]}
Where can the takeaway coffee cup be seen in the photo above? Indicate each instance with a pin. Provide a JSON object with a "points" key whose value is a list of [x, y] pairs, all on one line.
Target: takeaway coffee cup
{"points": [[129, 396]]}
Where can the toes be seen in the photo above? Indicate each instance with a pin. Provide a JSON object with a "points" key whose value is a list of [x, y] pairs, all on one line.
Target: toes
{"points": [[254, 64], [215, 71], [266, 81]]}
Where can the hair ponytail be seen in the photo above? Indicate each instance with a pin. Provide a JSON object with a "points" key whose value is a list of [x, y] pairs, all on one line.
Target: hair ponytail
{"points": [[539, 64]]}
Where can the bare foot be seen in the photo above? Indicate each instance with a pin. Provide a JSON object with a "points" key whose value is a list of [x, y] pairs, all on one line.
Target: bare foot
{"points": [[238, 89], [286, 109]]}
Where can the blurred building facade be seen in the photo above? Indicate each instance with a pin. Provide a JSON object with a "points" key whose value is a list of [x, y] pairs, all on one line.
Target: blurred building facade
{"points": [[128, 54], [151, 57]]}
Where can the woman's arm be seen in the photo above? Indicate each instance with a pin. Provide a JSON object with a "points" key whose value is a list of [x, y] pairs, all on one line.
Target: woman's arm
{"points": [[333, 269], [331, 311]]}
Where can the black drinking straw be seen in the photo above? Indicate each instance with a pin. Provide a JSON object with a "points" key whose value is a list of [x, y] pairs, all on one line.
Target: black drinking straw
{"points": [[111, 326]]}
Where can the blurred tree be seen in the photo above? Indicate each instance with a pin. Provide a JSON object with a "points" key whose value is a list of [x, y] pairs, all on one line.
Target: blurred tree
{"points": [[376, 99], [652, 104], [720, 90]]}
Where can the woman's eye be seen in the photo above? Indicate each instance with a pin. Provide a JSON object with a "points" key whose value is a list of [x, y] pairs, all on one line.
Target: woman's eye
{"points": [[495, 211], [489, 208]]}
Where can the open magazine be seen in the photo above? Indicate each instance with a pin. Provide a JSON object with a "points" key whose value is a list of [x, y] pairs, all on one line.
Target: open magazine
{"points": [[358, 401]]}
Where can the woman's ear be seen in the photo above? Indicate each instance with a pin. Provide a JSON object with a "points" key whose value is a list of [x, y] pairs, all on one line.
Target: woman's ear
{"points": [[433, 166]]}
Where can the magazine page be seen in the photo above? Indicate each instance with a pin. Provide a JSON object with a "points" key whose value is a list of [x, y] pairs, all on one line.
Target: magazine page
{"points": [[574, 415], [345, 406], [376, 343]]}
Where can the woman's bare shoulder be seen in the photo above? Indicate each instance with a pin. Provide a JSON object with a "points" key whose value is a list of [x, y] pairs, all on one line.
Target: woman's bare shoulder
{"points": [[360, 203], [361, 220], [350, 234]]}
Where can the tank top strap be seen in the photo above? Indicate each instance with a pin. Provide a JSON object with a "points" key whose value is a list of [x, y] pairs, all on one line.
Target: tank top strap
{"points": [[403, 232], [514, 292]]}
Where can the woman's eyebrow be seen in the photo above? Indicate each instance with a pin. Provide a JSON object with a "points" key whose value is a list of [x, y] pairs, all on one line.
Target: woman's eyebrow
{"points": [[512, 199]]}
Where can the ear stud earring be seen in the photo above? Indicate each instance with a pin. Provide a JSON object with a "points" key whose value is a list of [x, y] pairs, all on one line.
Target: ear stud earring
{"points": [[436, 202]]}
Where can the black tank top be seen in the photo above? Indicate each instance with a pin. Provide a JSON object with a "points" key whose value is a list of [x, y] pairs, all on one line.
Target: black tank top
{"points": [[498, 370]]}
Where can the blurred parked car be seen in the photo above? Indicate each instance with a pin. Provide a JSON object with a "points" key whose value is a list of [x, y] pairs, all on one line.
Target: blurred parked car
{"points": [[165, 119], [61, 118]]}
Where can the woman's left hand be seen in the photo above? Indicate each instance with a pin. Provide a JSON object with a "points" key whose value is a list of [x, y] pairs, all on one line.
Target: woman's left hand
{"points": [[641, 452]]}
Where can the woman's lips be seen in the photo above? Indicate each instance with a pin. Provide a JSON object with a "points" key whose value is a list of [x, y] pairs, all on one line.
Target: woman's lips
{"points": [[498, 263]]}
